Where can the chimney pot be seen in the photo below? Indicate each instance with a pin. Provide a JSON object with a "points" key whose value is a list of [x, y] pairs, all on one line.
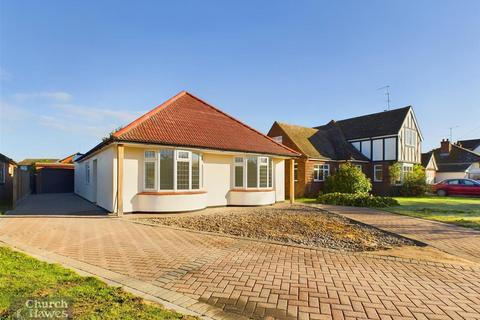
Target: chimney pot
{"points": [[445, 146]]}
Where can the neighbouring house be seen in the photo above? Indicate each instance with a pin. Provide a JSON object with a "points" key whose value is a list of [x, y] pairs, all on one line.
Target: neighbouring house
{"points": [[372, 142], [472, 145], [455, 161], [14, 183], [183, 155], [430, 165]]}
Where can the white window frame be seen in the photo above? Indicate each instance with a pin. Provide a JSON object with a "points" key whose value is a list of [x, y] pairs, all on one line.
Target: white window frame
{"points": [[407, 168], [375, 172], [2, 169], [410, 137], [324, 168], [87, 172], [278, 139], [239, 163], [261, 161], [176, 158], [153, 160]]}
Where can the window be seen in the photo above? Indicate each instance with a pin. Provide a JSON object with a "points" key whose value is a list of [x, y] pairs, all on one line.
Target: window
{"points": [[258, 172], [410, 137], [2, 172], [321, 172], [177, 170], [453, 182], [263, 172], [252, 172], [407, 169], [278, 139], [270, 173], [378, 173], [366, 147], [183, 170], [150, 166], [87, 173], [295, 171], [238, 172], [195, 171]]}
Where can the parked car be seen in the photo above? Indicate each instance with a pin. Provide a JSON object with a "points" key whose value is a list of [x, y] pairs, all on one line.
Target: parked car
{"points": [[457, 186]]}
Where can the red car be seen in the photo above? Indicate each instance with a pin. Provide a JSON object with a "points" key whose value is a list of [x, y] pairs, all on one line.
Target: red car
{"points": [[457, 186]]}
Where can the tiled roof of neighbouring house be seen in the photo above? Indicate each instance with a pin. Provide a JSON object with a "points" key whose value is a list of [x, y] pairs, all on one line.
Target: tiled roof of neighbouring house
{"points": [[325, 142], [469, 144], [29, 162], [457, 160], [188, 121], [374, 125]]}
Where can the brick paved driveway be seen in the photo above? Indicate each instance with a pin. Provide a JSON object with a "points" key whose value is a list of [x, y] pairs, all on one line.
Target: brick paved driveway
{"points": [[256, 279], [458, 241]]}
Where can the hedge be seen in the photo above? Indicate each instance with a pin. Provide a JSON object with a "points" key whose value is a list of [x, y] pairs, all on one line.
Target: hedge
{"points": [[357, 200]]}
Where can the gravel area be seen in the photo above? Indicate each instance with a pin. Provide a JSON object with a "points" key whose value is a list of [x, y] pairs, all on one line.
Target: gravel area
{"points": [[290, 224]]}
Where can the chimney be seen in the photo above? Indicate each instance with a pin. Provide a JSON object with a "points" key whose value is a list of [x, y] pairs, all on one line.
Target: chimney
{"points": [[445, 146]]}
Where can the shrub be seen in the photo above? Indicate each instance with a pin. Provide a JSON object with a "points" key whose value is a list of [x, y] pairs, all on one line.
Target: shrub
{"points": [[414, 183], [357, 200], [348, 179]]}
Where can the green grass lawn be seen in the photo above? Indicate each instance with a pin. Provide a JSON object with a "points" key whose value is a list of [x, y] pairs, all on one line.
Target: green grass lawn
{"points": [[461, 211], [306, 200], [23, 277]]}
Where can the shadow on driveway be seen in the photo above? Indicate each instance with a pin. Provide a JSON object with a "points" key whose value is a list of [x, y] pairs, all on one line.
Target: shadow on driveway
{"points": [[64, 204]]}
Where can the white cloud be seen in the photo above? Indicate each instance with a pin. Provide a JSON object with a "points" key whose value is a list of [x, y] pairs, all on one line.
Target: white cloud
{"points": [[95, 113], [58, 96]]}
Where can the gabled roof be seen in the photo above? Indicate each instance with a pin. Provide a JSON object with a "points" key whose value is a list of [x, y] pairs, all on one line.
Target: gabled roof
{"points": [[426, 158], [458, 159], [470, 144], [188, 121], [375, 124], [325, 142], [69, 159]]}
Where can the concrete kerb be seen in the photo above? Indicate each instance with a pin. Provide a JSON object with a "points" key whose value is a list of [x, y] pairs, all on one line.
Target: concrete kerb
{"points": [[145, 290]]}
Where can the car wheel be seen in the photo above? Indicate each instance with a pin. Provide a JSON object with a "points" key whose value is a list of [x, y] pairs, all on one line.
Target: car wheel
{"points": [[442, 193]]}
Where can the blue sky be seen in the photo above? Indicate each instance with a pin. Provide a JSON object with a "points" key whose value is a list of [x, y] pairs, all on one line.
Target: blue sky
{"points": [[72, 71]]}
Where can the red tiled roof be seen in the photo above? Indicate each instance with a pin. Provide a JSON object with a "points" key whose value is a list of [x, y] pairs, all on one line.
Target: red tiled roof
{"points": [[188, 121]]}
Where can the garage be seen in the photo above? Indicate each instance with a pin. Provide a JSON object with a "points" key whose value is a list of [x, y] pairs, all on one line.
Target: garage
{"points": [[54, 177]]}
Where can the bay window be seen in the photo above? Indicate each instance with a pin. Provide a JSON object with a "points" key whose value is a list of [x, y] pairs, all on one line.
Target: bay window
{"points": [[253, 172], [177, 170]]}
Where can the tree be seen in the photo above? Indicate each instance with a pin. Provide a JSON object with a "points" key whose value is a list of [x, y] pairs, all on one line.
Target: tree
{"points": [[395, 172], [414, 183], [348, 179]]}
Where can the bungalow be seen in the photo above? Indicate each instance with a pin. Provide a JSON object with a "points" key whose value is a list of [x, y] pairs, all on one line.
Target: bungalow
{"points": [[183, 155], [371, 142], [455, 161]]}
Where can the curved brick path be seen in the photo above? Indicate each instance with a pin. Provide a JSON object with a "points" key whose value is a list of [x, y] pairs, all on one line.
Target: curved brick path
{"points": [[251, 278], [458, 241]]}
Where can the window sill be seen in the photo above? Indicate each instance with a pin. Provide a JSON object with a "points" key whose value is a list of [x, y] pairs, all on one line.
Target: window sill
{"points": [[251, 190], [170, 193], [318, 180]]}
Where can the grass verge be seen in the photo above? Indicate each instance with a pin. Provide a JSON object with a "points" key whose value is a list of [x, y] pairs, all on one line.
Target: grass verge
{"points": [[23, 277], [461, 211]]}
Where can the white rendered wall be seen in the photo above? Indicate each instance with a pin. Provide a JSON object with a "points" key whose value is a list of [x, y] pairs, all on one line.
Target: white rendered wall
{"points": [[105, 172], [279, 179]]}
